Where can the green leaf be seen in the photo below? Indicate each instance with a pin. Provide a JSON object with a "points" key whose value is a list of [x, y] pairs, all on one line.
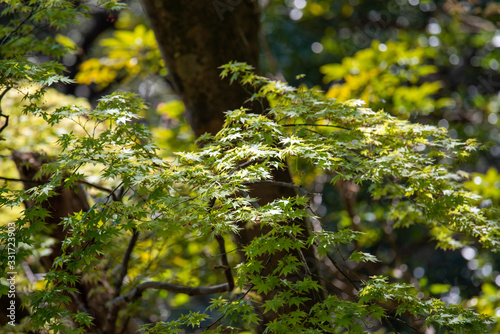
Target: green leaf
{"points": [[358, 256]]}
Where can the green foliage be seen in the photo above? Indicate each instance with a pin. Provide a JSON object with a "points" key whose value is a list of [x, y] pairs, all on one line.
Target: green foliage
{"points": [[387, 76], [204, 193], [436, 312], [129, 54], [24, 34]]}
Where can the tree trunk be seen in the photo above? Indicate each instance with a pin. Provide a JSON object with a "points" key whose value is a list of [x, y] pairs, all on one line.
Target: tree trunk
{"points": [[195, 38]]}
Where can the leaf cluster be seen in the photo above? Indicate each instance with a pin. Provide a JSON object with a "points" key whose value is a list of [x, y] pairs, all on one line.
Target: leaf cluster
{"points": [[206, 193]]}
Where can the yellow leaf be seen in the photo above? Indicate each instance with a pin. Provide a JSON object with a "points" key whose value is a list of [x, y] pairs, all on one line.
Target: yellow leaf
{"points": [[66, 41]]}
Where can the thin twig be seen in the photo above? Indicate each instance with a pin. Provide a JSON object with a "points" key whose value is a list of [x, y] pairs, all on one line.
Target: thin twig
{"points": [[391, 326], [17, 28], [406, 324], [337, 288], [342, 272], [113, 194], [217, 255], [42, 182], [97, 187], [314, 124], [244, 164], [300, 189], [224, 314], [243, 296]]}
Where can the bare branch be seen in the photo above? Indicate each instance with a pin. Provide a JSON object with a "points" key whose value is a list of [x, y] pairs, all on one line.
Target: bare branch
{"points": [[97, 187], [6, 121], [318, 125], [242, 296], [245, 164], [328, 282], [299, 189], [254, 204], [5, 91], [42, 182], [225, 262], [113, 314], [342, 272], [1, 111], [125, 262], [191, 291], [17, 28], [20, 180]]}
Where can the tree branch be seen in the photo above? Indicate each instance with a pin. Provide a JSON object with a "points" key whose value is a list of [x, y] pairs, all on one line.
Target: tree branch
{"points": [[245, 164], [1, 111], [319, 125], [42, 182], [191, 291], [342, 272], [241, 297], [17, 28], [125, 261], [97, 187], [113, 314], [300, 190], [20, 180], [225, 262], [6, 121], [254, 204]]}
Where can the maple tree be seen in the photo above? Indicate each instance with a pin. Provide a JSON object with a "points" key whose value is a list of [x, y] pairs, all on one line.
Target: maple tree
{"points": [[125, 246]]}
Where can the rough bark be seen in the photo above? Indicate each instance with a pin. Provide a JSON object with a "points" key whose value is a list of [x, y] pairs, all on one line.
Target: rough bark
{"points": [[195, 38]]}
